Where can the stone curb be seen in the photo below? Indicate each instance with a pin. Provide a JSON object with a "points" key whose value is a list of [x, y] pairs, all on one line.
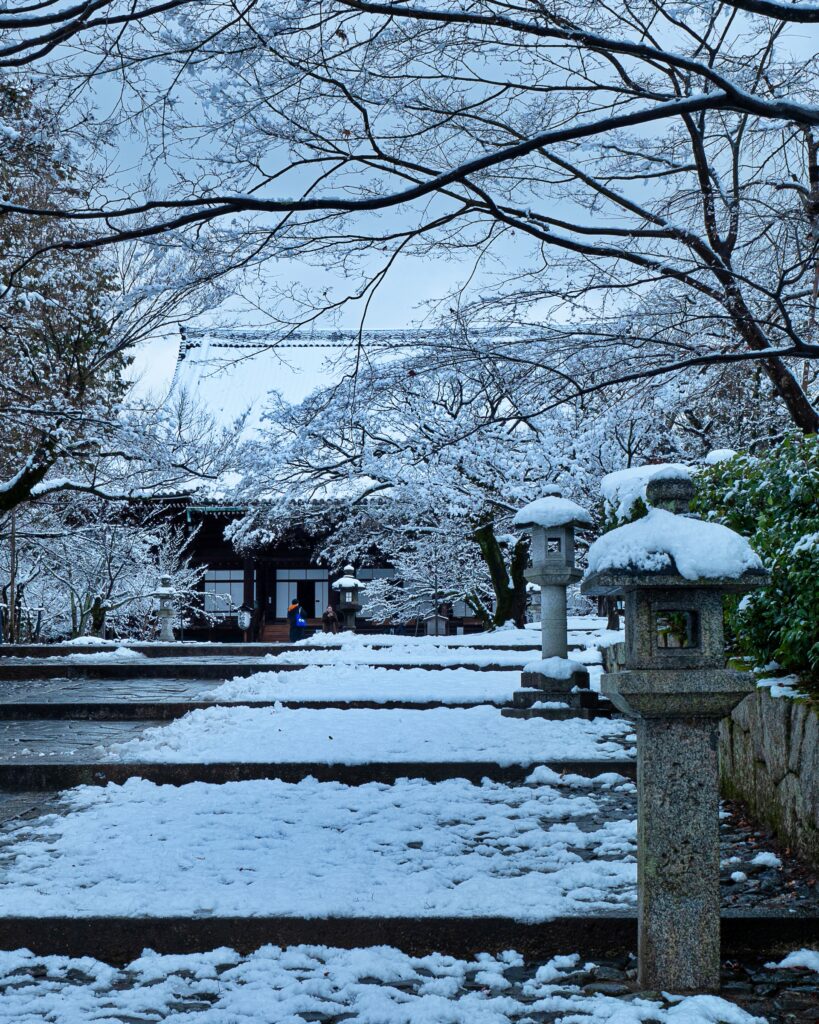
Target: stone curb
{"points": [[126, 710], [121, 939], [37, 776]]}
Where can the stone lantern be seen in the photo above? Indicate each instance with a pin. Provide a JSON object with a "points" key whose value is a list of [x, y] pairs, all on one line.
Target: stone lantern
{"points": [[436, 624], [349, 597], [673, 571], [551, 522], [165, 593]]}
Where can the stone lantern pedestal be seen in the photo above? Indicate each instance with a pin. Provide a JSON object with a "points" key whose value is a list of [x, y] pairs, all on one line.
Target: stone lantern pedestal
{"points": [[673, 571], [554, 680], [349, 598]]}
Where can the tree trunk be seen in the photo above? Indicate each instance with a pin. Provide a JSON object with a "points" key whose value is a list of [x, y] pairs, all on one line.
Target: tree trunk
{"points": [[510, 593]]}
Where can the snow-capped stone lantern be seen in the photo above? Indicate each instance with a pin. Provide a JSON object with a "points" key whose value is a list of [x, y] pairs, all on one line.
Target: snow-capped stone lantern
{"points": [[165, 613], [349, 597], [673, 570], [554, 679], [551, 522]]}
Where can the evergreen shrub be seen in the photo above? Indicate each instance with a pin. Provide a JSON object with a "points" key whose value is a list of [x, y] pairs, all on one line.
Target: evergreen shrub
{"points": [[773, 500]]}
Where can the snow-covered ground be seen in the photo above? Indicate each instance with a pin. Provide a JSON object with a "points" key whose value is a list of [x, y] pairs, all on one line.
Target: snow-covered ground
{"points": [[354, 682], [380, 985], [334, 736], [321, 849]]}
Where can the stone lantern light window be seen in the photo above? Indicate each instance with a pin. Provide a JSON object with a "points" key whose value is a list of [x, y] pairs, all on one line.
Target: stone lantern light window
{"points": [[677, 629]]}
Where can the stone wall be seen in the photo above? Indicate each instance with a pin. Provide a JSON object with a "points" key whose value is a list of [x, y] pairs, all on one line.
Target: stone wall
{"points": [[769, 759]]}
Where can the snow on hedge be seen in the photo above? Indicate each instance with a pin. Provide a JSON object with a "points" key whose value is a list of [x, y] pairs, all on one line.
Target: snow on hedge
{"points": [[361, 736], [663, 540], [621, 489], [307, 983], [353, 682], [407, 653], [550, 512], [323, 849]]}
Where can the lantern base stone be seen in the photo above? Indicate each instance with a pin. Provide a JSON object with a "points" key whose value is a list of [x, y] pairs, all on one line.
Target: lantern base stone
{"points": [[682, 693], [677, 715]]}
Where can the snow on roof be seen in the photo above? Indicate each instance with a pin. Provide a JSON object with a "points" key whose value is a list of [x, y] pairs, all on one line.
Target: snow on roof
{"points": [[230, 372], [552, 511], [621, 489], [663, 540]]}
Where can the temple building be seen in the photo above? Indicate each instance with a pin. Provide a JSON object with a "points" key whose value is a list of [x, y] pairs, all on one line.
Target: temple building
{"points": [[229, 372]]}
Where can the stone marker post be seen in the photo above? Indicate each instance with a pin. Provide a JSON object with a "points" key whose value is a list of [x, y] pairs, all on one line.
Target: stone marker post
{"points": [[165, 593], [349, 597], [676, 688]]}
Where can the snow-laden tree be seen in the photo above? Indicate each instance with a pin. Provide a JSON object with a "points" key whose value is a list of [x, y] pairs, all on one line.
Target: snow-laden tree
{"points": [[647, 171], [401, 452], [68, 323], [76, 565]]}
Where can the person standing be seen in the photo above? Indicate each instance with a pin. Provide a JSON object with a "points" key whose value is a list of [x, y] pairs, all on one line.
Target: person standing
{"points": [[330, 619], [295, 616]]}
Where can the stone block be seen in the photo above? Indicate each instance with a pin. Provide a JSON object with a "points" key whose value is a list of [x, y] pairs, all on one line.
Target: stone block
{"points": [[799, 720], [579, 679], [774, 716], [743, 712]]}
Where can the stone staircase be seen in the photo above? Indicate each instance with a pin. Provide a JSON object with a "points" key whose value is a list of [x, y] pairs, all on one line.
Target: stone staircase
{"points": [[31, 774]]}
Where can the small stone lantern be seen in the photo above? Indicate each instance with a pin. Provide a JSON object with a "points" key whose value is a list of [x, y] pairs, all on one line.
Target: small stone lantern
{"points": [[436, 624], [349, 597], [165, 593], [551, 523], [673, 571]]}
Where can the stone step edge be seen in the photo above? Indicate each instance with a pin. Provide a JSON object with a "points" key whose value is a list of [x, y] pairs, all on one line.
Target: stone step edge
{"points": [[121, 939], [230, 650], [36, 775], [141, 710], [156, 669]]}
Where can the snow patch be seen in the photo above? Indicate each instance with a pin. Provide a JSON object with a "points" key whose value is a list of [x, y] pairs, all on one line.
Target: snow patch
{"points": [[336, 736], [555, 668]]}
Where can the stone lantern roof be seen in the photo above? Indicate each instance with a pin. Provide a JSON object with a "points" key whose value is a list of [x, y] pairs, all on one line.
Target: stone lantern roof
{"points": [[668, 550], [552, 511], [348, 581]]}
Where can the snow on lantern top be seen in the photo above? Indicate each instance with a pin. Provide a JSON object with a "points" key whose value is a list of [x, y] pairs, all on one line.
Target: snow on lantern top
{"points": [[675, 549], [552, 511], [621, 489]]}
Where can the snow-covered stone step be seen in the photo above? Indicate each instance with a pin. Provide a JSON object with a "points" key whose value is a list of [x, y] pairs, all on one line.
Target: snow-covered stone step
{"points": [[559, 846], [313, 687], [312, 983], [229, 668], [359, 736]]}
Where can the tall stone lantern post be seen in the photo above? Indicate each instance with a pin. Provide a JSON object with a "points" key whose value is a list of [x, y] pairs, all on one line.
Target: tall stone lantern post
{"points": [[165, 593], [673, 571], [349, 597], [551, 522]]}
